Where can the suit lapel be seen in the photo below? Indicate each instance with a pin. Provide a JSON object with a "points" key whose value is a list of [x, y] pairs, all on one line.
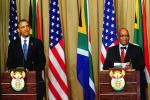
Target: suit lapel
{"points": [[20, 48], [127, 56], [30, 48], [118, 54]]}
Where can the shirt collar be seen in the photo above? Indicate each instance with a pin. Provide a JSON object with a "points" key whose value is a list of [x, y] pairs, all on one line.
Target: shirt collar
{"points": [[22, 40], [120, 45]]}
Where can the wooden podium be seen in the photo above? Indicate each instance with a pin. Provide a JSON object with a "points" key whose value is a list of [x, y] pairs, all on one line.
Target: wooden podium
{"points": [[131, 90], [7, 93]]}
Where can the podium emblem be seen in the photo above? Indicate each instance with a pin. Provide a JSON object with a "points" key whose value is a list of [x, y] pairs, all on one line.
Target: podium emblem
{"points": [[17, 81], [117, 79]]}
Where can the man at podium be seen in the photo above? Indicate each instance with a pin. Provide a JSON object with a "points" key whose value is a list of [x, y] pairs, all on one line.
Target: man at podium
{"points": [[27, 52], [127, 55]]}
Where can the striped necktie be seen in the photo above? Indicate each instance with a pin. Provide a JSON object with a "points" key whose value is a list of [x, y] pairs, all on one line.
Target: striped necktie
{"points": [[122, 54], [25, 49]]}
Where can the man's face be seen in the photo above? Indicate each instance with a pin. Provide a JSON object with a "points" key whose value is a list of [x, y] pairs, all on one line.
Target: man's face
{"points": [[123, 36], [24, 29]]}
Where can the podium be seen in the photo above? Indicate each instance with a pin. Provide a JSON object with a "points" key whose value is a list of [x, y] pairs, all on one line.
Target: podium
{"points": [[7, 93], [131, 90]]}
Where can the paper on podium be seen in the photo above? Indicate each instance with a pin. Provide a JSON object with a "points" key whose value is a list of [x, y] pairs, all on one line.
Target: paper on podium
{"points": [[127, 65], [120, 65]]}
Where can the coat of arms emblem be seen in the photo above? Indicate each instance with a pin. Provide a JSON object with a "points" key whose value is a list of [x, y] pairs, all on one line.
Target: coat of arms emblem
{"points": [[117, 79], [17, 81]]}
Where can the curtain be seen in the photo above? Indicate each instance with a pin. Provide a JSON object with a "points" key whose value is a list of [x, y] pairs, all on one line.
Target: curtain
{"points": [[69, 11]]}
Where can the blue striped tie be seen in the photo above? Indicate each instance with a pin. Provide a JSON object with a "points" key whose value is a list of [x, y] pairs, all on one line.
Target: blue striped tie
{"points": [[25, 49]]}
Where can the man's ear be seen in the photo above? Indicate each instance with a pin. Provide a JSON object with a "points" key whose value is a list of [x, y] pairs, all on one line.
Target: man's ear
{"points": [[18, 30], [30, 31]]}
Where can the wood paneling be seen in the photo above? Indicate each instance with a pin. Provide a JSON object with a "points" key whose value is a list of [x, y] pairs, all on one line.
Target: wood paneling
{"points": [[28, 93], [131, 90]]}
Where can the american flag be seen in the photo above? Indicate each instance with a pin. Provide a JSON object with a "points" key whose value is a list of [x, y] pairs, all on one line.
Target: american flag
{"points": [[13, 21], [57, 78], [109, 35]]}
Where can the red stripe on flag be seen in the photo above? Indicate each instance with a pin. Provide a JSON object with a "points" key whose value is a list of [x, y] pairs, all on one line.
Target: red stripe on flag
{"points": [[102, 58], [53, 90], [57, 56], [116, 42], [145, 40], [57, 64], [58, 78], [38, 25], [61, 44]]}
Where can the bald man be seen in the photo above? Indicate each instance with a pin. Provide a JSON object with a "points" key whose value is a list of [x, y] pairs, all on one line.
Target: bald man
{"points": [[132, 54]]}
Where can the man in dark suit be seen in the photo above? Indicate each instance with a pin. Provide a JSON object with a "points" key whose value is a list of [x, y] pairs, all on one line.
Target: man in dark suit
{"points": [[132, 54], [27, 52]]}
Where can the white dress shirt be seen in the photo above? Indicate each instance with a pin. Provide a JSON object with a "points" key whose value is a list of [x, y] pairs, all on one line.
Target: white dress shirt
{"points": [[22, 41], [125, 50]]}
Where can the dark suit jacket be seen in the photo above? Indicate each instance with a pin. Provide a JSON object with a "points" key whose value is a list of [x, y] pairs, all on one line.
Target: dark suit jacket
{"points": [[35, 58], [134, 55]]}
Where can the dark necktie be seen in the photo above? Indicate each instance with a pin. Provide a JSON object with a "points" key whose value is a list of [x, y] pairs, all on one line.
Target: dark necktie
{"points": [[122, 54], [25, 49]]}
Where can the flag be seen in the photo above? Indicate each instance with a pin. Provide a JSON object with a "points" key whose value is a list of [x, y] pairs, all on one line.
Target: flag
{"points": [[38, 25], [146, 51], [35, 19], [84, 54], [57, 78], [109, 35], [13, 21], [30, 13], [140, 34]]}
